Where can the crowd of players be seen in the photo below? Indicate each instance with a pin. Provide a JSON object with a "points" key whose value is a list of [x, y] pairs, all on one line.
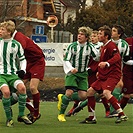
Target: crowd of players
{"points": [[98, 64]]}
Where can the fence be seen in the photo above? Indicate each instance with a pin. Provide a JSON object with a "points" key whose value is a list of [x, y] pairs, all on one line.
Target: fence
{"points": [[60, 37]]}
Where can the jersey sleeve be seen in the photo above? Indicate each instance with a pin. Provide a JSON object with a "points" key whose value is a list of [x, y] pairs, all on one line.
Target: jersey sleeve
{"points": [[68, 53], [115, 55], [95, 53], [21, 57]]}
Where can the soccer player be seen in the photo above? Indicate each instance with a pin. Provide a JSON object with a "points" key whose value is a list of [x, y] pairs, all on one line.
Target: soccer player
{"points": [[34, 70], [127, 89], [117, 33], [109, 74], [75, 65], [10, 51]]}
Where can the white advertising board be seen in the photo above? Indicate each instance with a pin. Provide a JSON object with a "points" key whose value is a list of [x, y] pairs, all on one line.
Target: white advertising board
{"points": [[53, 53]]}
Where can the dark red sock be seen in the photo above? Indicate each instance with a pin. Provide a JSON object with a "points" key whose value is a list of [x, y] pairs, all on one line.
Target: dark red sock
{"points": [[75, 104], [91, 103], [105, 103], [36, 102], [29, 106], [113, 101], [123, 102]]}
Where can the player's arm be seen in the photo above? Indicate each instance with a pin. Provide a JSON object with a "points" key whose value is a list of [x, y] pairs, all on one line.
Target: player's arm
{"points": [[67, 66], [115, 57], [22, 62]]}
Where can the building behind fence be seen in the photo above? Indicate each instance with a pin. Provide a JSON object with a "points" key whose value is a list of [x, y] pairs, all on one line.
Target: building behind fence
{"points": [[60, 37]]}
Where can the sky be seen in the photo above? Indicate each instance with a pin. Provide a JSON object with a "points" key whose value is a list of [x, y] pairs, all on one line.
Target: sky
{"points": [[89, 2]]}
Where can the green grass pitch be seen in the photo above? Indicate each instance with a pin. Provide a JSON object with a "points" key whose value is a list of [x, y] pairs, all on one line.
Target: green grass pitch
{"points": [[48, 122]]}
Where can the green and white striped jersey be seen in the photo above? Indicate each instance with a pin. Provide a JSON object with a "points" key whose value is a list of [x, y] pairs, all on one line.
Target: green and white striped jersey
{"points": [[10, 52], [123, 47], [78, 55], [97, 45]]}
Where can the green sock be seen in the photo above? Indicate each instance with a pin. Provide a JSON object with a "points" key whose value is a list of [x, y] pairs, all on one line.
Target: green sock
{"points": [[83, 103], [7, 107], [120, 97], [116, 93], [75, 97], [65, 102], [22, 103]]}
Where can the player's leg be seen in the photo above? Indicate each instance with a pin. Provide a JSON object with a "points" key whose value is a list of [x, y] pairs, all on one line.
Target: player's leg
{"points": [[116, 93], [7, 104], [35, 73], [70, 112], [30, 106], [76, 100], [63, 101], [6, 99], [80, 106], [19, 85], [107, 89], [82, 93], [35, 96], [124, 101], [91, 107], [14, 100], [106, 106], [127, 90]]}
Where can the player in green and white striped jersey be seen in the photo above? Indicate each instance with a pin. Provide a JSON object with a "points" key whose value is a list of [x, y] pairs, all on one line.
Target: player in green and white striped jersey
{"points": [[75, 66], [10, 53], [9, 50], [117, 33]]}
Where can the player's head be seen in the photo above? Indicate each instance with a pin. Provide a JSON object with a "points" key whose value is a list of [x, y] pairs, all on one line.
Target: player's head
{"points": [[7, 28], [106, 31], [94, 37], [84, 34], [104, 34], [117, 31], [86, 30]]}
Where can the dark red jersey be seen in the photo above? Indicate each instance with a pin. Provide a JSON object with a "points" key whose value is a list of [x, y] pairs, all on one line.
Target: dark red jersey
{"points": [[31, 50], [130, 42], [110, 54], [128, 69], [93, 65]]}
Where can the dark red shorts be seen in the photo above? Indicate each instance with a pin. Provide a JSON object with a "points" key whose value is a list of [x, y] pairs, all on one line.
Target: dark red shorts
{"points": [[35, 69], [109, 84], [128, 85]]}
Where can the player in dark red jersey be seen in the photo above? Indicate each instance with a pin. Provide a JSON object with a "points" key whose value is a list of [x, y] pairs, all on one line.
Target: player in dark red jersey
{"points": [[128, 75], [34, 71], [109, 74]]}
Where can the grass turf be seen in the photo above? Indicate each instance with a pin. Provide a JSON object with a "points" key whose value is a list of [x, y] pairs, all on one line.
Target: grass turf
{"points": [[48, 122]]}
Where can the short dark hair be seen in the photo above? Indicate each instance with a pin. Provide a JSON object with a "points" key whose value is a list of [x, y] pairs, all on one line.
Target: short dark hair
{"points": [[107, 31], [120, 29]]}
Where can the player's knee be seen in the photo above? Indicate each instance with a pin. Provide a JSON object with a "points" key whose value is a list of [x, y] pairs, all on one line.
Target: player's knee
{"points": [[90, 92], [22, 90], [119, 84], [6, 94]]}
